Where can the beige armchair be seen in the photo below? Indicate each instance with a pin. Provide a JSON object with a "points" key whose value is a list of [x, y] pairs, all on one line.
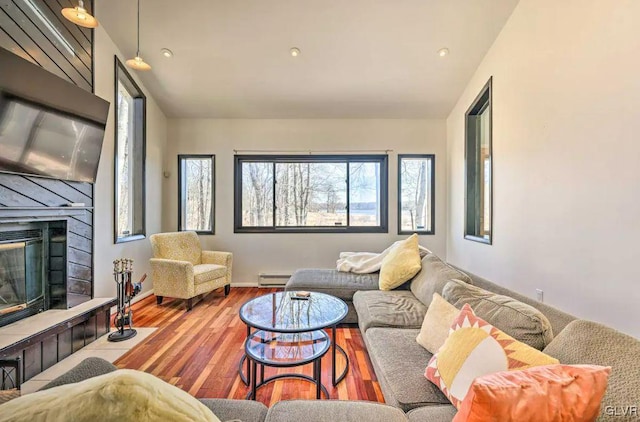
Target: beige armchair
{"points": [[181, 269]]}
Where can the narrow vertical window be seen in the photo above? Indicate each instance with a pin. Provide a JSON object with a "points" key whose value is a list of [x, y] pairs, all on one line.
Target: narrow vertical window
{"points": [[196, 193], [416, 193], [479, 165], [130, 157]]}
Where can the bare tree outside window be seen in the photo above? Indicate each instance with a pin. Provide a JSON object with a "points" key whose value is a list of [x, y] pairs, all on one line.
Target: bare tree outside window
{"points": [[327, 192], [257, 194], [311, 194], [196, 193], [130, 156], [124, 213], [416, 193]]}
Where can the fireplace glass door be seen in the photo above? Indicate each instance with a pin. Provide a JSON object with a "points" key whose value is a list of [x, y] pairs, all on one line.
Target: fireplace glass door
{"points": [[21, 275]]}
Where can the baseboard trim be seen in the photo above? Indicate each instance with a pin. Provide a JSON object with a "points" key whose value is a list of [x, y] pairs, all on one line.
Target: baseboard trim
{"points": [[245, 284]]}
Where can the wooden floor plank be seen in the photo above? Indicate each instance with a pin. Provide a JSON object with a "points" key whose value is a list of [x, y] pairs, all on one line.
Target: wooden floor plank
{"points": [[199, 351]]}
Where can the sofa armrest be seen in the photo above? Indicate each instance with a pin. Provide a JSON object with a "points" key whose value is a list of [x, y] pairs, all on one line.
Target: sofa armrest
{"points": [[172, 278], [88, 368], [219, 258], [236, 410]]}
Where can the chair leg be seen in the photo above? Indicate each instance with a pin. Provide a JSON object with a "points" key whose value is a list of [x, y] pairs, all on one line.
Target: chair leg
{"points": [[227, 289], [159, 299], [189, 304]]}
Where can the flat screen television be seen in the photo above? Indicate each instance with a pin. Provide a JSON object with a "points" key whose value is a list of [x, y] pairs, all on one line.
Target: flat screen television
{"points": [[48, 127], [45, 142]]}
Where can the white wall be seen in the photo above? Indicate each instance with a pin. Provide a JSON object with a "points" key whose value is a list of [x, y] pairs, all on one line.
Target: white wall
{"points": [[255, 253], [566, 137], [104, 248]]}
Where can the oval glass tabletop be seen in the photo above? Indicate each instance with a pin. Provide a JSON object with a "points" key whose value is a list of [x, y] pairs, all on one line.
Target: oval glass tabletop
{"points": [[286, 349], [281, 312]]}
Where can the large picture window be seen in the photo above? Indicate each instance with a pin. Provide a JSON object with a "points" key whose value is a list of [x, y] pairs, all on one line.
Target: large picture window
{"points": [[416, 193], [130, 157], [196, 194], [328, 193], [479, 164]]}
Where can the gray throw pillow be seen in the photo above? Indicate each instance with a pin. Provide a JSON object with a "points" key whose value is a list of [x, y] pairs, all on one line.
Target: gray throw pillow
{"points": [[521, 321]]}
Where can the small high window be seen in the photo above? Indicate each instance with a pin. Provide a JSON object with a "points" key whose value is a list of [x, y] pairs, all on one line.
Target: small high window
{"points": [[196, 193], [478, 162], [416, 193], [130, 157]]}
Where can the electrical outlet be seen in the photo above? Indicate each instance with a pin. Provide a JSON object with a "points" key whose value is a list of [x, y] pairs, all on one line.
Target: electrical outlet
{"points": [[539, 295]]}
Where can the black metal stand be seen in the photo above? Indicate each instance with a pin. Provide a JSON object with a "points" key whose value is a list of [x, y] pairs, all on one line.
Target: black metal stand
{"points": [[122, 271]]}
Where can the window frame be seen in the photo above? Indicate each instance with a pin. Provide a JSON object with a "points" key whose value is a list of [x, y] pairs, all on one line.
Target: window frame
{"points": [[482, 102], [213, 192], [382, 159], [120, 69], [432, 188]]}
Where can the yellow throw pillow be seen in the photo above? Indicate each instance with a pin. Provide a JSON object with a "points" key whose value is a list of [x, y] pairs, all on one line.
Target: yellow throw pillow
{"points": [[437, 322], [121, 396], [401, 264], [475, 348]]}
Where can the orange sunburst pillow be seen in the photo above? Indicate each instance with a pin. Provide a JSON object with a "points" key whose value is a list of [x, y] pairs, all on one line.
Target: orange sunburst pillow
{"points": [[475, 348]]}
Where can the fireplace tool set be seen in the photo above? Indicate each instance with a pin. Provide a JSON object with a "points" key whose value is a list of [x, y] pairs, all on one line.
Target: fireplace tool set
{"points": [[126, 290]]}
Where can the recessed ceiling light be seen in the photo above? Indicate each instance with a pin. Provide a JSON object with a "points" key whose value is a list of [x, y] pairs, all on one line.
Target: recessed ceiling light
{"points": [[443, 52], [167, 53], [295, 52]]}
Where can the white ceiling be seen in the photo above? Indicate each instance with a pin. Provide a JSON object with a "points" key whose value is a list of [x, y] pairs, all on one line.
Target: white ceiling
{"points": [[360, 58]]}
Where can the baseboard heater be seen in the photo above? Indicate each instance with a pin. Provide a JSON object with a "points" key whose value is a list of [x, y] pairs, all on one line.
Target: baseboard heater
{"points": [[272, 280]]}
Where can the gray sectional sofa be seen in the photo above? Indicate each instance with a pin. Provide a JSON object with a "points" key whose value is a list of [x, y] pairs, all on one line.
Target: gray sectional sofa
{"points": [[390, 322]]}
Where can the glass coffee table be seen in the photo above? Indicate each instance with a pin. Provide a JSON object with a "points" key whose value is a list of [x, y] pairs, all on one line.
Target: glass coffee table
{"points": [[286, 350], [293, 331]]}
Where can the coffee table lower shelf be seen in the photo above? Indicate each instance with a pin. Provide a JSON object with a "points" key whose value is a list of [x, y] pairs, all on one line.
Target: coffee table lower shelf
{"points": [[335, 348], [285, 350]]}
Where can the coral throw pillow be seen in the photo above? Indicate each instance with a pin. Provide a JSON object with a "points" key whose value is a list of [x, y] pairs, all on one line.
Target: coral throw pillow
{"points": [[554, 393], [475, 348], [401, 264]]}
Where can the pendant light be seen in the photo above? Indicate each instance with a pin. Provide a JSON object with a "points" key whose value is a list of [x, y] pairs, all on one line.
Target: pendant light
{"points": [[137, 63], [80, 16]]}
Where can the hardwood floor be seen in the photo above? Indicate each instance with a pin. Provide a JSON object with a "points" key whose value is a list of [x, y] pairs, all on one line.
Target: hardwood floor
{"points": [[199, 352]]}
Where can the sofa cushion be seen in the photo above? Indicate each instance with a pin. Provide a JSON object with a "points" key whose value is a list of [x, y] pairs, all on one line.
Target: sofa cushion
{"points": [[401, 264], [556, 317], [207, 272], [432, 278], [333, 282], [442, 413], [399, 364], [437, 323], [586, 342], [242, 410], [398, 308], [521, 321], [333, 410]]}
